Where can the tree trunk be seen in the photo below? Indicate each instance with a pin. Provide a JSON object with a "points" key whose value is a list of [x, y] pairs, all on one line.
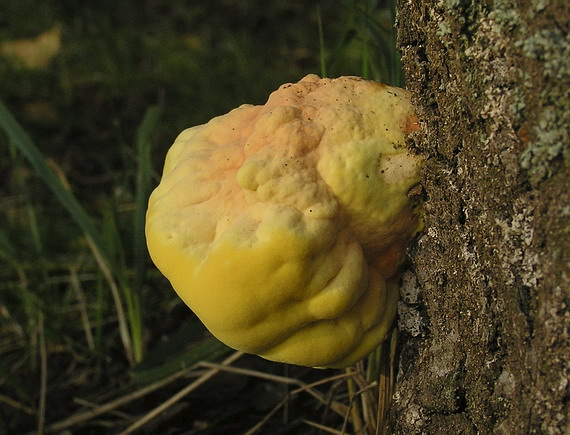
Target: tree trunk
{"points": [[485, 319]]}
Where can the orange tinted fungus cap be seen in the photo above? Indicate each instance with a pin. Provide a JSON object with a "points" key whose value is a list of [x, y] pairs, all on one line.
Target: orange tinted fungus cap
{"points": [[282, 225]]}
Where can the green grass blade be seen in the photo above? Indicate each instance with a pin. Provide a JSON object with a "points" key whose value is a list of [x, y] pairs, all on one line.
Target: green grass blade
{"points": [[24, 144], [129, 322], [7, 250], [185, 347], [145, 134], [209, 349]]}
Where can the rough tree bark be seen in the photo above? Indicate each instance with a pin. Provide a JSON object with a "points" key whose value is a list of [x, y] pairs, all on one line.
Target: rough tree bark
{"points": [[485, 316]]}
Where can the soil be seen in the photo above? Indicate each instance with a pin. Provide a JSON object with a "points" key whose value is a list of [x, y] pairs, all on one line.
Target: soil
{"points": [[484, 317]]}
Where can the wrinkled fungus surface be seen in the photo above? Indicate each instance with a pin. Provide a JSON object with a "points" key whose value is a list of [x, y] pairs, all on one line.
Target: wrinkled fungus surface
{"points": [[282, 226]]}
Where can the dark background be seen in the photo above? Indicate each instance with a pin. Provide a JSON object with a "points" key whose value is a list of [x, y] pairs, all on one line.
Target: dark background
{"points": [[128, 77]]}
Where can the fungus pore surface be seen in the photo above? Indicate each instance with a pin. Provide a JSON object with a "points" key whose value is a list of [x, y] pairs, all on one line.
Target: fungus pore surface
{"points": [[282, 226]]}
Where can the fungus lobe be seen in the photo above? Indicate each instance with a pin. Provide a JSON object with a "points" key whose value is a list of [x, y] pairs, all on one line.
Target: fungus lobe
{"points": [[282, 226]]}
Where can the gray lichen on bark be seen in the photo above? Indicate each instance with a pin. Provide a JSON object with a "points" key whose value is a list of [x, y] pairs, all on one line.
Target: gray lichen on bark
{"points": [[486, 339]]}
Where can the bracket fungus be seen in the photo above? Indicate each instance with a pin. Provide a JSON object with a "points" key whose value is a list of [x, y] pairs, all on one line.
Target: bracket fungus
{"points": [[282, 226]]}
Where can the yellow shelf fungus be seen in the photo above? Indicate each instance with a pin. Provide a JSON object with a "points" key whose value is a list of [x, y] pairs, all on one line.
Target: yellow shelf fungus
{"points": [[282, 226]]}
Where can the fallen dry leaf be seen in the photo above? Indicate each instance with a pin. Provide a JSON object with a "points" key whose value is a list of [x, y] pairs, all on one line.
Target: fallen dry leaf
{"points": [[33, 53]]}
